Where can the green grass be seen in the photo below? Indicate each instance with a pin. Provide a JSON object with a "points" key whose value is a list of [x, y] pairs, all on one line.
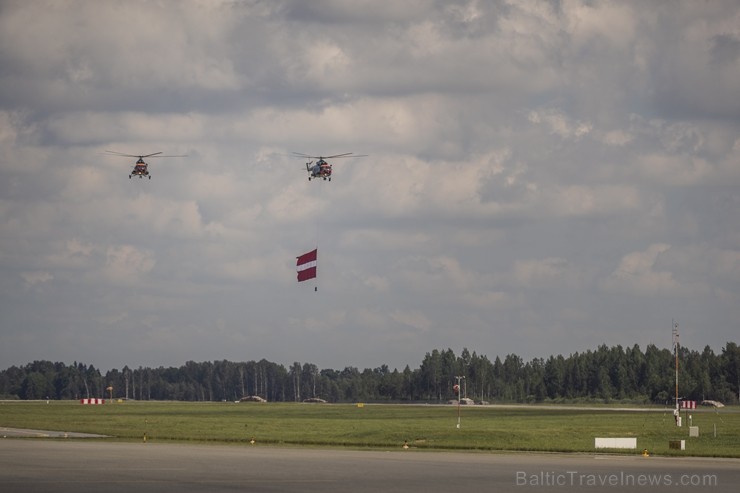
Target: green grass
{"points": [[489, 428]]}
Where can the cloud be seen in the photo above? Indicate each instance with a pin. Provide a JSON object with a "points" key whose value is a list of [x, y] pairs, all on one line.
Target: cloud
{"points": [[413, 319], [126, 263], [534, 174], [559, 124], [646, 274], [549, 273], [36, 277]]}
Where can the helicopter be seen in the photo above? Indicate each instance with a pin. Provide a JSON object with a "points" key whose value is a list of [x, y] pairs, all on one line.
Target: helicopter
{"points": [[320, 168], [140, 168]]}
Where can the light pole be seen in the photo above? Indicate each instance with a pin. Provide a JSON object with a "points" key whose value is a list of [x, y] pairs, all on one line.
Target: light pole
{"points": [[457, 391]]}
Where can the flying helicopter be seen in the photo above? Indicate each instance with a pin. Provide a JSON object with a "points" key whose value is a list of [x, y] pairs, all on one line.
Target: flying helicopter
{"points": [[320, 168], [141, 168]]}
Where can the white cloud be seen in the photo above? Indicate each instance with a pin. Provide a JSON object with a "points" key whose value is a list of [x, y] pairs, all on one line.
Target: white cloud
{"points": [[613, 23], [549, 273], [559, 124], [126, 263], [643, 274], [617, 138], [36, 277], [411, 318]]}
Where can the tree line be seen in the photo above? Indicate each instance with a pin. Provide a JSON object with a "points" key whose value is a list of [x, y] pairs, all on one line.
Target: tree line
{"points": [[605, 374]]}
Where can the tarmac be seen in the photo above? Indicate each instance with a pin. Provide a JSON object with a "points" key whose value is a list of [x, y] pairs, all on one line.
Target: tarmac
{"points": [[24, 433], [77, 465]]}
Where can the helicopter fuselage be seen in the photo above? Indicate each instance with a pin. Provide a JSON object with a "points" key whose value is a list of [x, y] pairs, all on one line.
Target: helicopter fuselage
{"points": [[140, 170], [321, 169]]}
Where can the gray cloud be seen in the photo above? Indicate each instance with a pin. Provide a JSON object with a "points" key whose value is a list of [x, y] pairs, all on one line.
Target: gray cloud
{"points": [[540, 179]]}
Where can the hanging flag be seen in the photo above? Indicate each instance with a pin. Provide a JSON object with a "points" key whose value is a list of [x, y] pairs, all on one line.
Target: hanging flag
{"points": [[306, 265]]}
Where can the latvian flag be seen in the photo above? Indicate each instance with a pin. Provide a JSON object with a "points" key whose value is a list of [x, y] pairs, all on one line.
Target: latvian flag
{"points": [[306, 265]]}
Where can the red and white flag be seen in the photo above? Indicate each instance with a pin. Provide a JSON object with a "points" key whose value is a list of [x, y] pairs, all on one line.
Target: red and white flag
{"points": [[306, 265]]}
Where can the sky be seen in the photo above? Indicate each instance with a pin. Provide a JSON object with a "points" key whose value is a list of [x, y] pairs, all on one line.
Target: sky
{"points": [[540, 178]]}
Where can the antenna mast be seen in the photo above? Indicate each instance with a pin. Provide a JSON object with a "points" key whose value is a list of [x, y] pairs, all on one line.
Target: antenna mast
{"points": [[674, 329]]}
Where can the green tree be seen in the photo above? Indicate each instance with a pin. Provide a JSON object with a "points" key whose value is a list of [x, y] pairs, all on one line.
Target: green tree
{"points": [[36, 386], [554, 377], [731, 370]]}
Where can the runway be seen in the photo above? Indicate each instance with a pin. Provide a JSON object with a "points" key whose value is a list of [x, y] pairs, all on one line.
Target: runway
{"points": [[23, 432], [67, 466]]}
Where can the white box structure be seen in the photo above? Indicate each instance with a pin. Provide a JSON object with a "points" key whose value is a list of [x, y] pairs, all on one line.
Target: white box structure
{"points": [[610, 442]]}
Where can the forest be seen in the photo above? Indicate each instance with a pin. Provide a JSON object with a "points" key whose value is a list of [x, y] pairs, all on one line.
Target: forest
{"points": [[603, 375]]}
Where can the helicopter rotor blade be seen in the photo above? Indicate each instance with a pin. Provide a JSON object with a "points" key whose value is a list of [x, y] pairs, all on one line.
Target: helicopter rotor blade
{"points": [[114, 153], [348, 154], [154, 154], [133, 155]]}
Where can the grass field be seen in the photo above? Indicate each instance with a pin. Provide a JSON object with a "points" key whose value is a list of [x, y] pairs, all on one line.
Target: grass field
{"points": [[487, 428]]}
